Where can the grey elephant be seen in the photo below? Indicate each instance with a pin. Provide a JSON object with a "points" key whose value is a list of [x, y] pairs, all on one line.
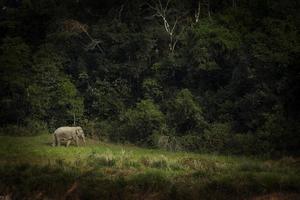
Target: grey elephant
{"points": [[68, 134]]}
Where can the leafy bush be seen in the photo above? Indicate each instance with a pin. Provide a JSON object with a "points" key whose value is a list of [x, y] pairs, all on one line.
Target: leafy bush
{"points": [[170, 143], [90, 128], [249, 144], [139, 123], [209, 38], [14, 130], [102, 130], [216, 137], [107, 99], [32, 127], [36, 127], [191, 142], [279, 133], [185, 114], [152, 89]]}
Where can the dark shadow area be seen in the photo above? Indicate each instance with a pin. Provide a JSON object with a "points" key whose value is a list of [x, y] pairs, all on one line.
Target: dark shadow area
{"points": [[60, 181]]}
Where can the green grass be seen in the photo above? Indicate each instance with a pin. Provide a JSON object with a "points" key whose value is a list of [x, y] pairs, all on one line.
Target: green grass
{"points": [[31, 167]]}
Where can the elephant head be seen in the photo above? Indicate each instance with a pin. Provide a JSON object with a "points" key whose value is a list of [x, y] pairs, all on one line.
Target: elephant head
{"points": [[80, 133]]}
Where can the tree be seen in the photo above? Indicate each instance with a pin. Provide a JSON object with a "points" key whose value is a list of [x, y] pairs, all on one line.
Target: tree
{"points": [[106, 100], [53, 97], [14, 79]]}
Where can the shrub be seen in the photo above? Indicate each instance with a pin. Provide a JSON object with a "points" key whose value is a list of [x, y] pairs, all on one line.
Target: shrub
{"points": [[152, 89], [139, 123], [90, 128], [32, 127], [280, 133], [14, 130], [190, 142], [185, 113], [216, 138], [36, 127], [170, 143], [102, 130], [249, 144]]}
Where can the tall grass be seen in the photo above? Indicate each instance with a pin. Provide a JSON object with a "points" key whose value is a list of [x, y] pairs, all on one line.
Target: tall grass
{"points": [[31, 168]]}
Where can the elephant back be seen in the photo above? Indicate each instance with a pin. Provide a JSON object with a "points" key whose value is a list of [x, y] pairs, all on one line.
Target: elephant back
{"points": [[65, 131]]}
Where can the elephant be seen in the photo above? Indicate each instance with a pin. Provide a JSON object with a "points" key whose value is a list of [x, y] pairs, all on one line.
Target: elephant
{"points": [[68, 134]]}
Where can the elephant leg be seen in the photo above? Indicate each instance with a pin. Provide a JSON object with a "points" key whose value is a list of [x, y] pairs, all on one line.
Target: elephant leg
{"points": [[77, 142], [68, 143], [83, 138], [58, 142]]}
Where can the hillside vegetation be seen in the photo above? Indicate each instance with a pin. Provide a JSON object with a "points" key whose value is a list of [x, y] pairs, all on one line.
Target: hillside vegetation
{"points": [[193, 99], [30, 168]]}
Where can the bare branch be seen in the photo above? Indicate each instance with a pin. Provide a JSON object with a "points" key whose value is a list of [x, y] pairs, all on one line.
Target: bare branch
{"points": [[174, 26], [77, 27], [166, 8], [208, 10], [197, 14], [234, 3], [161, 8], [150, 6], [162, 12], [120, 12]]}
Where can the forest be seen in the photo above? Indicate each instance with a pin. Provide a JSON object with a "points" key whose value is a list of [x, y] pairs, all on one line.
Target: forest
{"points": [[193, 99], [194, 75]]}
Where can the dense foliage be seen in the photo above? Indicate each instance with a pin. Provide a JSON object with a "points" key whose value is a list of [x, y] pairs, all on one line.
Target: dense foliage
{"points": [[213, 76]]}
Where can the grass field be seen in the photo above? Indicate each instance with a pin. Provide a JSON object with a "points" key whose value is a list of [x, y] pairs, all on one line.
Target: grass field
{"points": [[30, 168]]}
